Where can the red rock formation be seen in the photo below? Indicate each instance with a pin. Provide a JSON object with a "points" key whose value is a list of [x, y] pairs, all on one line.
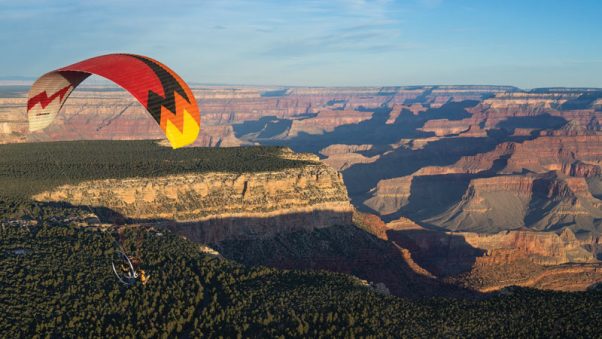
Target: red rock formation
{"points": [[508, 202], [344, 149], [577, 155], [444, 127], [396, 110], [341, 157], [403, 224], [390, 195], [581, 169], [371, 223], [574, 149], [327, 121], [550, 153], [491, 262]]}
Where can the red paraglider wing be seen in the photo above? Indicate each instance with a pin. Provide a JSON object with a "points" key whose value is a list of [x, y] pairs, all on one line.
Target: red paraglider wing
{"points": [[160, 90]]}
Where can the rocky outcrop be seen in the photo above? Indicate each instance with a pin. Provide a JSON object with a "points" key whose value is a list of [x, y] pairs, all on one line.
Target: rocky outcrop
{"points": [[538, 202], [390, 195], [210, 207], [444, 127], [326, 121], [412, 140], [341, 162], [543, 248], [577, 155], [551, 153], [341, 157], [371, 224], [538, 183], [403, 224], [524, 112], [441, 251], [344, 149], [490, 262]]}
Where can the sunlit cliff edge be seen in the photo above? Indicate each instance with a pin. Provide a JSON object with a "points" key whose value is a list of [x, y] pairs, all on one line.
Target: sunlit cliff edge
{"points": [[214, 206]]}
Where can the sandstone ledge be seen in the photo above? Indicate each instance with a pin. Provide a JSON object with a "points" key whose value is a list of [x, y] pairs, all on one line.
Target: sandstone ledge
{"points": [[219, 205]]}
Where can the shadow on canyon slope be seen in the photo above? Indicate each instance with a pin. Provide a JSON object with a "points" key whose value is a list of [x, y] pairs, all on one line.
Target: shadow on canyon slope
{"points": [[443, 254], [376, 132], [433, 195], [231, 228], [344, 249], [253, 228], [265, 127], [540, 122], [584, 101], [207, 231], [349, 249], [373, 131], [361, 178]]}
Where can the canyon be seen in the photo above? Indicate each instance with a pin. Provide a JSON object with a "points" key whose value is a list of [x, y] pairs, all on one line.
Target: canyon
{"points": [[429, 190]]}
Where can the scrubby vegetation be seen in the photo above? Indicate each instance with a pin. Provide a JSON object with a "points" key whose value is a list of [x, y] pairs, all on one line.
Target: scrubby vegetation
{"points": [[26, 169], [57, 280]]}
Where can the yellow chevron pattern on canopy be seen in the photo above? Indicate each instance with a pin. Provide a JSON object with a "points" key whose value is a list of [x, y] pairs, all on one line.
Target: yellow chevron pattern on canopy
{"points": [[166, 97]]}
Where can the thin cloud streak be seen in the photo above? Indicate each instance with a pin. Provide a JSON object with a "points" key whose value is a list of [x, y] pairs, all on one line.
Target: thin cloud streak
{"points": [[316, 42]]}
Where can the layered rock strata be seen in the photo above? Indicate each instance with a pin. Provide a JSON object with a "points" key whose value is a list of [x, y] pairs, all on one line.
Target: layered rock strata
{"points": [[211, 207]]}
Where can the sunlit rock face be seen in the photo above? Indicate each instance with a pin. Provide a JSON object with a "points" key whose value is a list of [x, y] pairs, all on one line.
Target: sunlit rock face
{"points": [[478, 186], [422, 152], [209, 207]]}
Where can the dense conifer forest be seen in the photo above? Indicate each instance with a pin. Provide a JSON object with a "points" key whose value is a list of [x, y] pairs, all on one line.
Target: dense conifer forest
{"points": [[57, 280]]}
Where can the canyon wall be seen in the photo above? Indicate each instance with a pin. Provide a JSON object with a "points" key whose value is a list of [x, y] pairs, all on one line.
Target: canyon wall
{"points": [[480, 187], [516, 176], [209, 207], [442, 156]]}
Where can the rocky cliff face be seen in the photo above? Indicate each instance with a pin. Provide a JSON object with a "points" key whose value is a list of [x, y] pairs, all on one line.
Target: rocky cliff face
{"points": [[490, 262], [326, 121], [537, 202], [538, 183], [543, 248], [396, 146], [413, 262], [215, 206]]}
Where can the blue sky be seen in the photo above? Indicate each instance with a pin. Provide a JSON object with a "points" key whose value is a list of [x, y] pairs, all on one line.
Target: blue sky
{"points": [[527, 43]]}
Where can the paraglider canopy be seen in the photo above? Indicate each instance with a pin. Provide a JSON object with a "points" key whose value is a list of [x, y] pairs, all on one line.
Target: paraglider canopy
{"points": [[160, 90]]}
